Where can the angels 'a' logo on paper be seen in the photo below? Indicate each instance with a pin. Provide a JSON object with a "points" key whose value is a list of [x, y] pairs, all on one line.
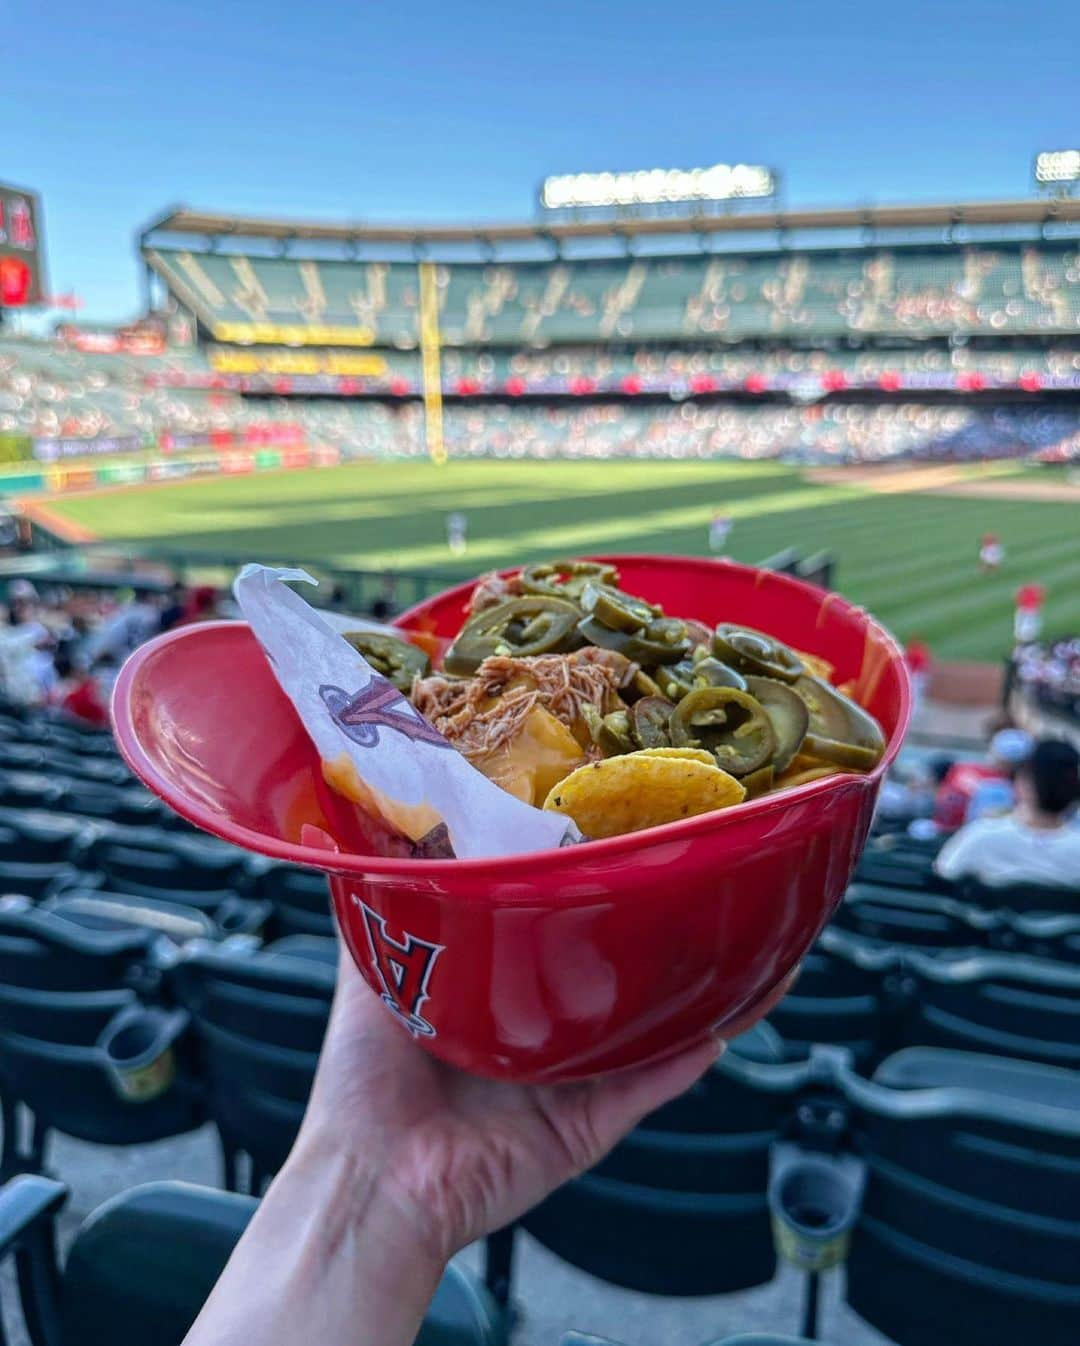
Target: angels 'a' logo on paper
{"points": [[404, 969], [375, 707]]}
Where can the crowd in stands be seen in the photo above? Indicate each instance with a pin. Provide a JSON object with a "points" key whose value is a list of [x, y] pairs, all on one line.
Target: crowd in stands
{"points": [[1050, 672], [998, 290], [665, 367], [830, 433], [48, 391], [1008, 816], [61, 650], [1036, 840]]}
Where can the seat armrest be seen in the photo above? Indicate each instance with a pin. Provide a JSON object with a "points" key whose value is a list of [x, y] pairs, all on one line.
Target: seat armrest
{"points": [[24, 1202]]}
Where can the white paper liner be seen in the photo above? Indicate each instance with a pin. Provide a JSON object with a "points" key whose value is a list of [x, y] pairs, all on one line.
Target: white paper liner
{"points": [[348, 708]]}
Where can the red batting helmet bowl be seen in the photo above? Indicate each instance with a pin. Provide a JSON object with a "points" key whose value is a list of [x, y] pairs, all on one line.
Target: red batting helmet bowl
{"points": [[554, 965]]}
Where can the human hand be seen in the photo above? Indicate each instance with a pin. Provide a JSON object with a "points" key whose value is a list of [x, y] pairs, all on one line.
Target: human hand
{"points": [[400, 1162], [456, 1155]]}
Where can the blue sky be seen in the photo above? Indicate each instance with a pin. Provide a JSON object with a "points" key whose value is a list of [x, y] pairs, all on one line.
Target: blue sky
{"points": [[420, 111]]}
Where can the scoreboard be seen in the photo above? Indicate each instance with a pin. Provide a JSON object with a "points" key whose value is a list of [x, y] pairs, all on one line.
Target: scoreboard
{"points": [[22, 252]]}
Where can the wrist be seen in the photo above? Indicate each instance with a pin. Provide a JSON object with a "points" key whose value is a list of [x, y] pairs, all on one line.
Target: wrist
{"points": [[356, 1204], [327, 1257]]}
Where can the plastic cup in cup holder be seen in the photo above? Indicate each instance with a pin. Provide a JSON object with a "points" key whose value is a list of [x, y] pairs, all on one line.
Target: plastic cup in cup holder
{"points": [[814, 1202], [139, 1052]]}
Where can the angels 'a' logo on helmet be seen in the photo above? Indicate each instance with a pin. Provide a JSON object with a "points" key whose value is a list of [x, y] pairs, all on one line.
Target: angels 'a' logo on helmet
{"points": [[404, 968]]}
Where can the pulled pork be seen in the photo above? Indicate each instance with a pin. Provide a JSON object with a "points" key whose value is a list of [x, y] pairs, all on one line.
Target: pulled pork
{"points": [[484, 712]]}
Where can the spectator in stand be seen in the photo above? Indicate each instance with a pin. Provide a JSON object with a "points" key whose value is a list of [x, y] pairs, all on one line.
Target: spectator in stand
{"points": [[910, 798], [78, 692], [175, 606], [1034, 844], [41, 662], [22, 602], [134, 621], [200, 607], [1051, 673], [990, 781]]}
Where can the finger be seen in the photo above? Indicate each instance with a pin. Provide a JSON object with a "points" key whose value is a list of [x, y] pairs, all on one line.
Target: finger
{"points": [[619, 1103]]}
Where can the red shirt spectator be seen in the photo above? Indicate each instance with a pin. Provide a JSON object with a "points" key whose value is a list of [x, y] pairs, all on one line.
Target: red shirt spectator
{"points": [[1008, 748], [200, 605], [84, 702], [956, 790]]}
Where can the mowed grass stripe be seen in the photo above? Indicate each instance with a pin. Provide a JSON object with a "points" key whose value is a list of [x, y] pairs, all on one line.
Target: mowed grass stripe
{"points": [[409, 516], [388, 482], [922, 570], [599, 534]]}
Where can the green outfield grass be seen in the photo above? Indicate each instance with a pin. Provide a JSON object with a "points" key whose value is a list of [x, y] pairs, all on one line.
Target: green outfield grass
{"points": [[909, 558]]}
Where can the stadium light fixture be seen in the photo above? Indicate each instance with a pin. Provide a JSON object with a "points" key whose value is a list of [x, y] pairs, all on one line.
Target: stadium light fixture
{"points": [[1057, 166], [657, 186]]}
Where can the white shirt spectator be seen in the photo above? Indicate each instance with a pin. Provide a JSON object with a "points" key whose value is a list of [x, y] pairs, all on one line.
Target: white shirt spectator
{"points": [[123, 632], [1003, 851]]}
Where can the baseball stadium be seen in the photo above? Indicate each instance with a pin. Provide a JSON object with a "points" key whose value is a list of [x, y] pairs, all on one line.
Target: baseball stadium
{"points": [[877, 409], [887, 385]]}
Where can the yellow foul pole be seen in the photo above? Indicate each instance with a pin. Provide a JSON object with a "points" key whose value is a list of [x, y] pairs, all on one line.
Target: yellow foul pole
{"points": [[431, 362]]}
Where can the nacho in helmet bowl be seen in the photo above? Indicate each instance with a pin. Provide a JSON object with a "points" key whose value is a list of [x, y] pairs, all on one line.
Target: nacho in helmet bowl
{"points": [[554, 965]]}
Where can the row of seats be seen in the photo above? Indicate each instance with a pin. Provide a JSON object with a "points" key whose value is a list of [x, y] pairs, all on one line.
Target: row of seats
{"points": [[141, 1266], [891, 916], [114, 903], [874, 998], [964, 1230], [46, 856], [112, 1032], [955, 1176], [259, 1013]]}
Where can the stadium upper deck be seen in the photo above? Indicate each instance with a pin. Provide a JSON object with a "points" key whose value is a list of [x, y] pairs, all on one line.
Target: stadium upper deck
{"points": [[271, 281]]}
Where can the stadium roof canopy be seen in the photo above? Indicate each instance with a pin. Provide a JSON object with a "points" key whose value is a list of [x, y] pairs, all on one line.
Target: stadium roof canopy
{"points": [[1038, 212]]}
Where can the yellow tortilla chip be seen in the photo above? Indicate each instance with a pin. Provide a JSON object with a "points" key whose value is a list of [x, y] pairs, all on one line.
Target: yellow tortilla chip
{"points": [[641, 789], [687, 754], [814, 664]]}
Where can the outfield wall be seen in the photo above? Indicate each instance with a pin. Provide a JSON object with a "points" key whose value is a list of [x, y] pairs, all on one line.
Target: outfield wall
{"points": [[59, 478]]}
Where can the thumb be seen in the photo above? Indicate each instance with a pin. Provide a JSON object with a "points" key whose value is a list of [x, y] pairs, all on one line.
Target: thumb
{"points": [[620, 1102]]}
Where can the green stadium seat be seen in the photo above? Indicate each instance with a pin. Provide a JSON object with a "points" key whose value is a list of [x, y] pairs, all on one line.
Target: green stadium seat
{"points": [[260, 1020], [300, 899], [1020, 897], [1003, 1004], [913, 917], [968, 1229], [690, 1179], [844, 995]]}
